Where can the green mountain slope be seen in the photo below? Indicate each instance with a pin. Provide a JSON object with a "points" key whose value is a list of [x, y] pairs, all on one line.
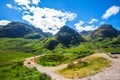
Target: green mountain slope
{"points": [[104, 31]]}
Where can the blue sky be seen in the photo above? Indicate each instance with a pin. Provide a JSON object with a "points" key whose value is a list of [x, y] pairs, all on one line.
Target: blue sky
{"points": [[50, 15]]}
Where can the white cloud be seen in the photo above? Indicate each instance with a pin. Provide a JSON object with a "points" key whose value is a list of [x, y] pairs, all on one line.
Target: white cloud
{"points": [[93, 20], [80, 22], [35, 1], [13, 7], [9, 5], [102, 22], [111, 11], [46, 18], [22, 2], [79, 26], [27, 2], [49, 20], [4, 22]]}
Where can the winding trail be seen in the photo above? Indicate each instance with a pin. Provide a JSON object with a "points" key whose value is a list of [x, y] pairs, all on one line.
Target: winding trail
{"points": [[51, 71], [111, 73]]}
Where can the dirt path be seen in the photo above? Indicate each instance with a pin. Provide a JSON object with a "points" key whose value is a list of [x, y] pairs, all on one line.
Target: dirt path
{"points": [[112, 73], [51, 71], [30, 63]]}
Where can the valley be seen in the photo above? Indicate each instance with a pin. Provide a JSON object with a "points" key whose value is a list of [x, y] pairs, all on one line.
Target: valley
{"points": [[67, 55]]}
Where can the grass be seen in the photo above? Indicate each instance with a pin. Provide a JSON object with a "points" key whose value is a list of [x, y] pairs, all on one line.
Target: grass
{"points": [[88, 67], [10, 56], [17, 72], [15, 50], [11, 67], [111, 49], [85, 46], [57, 59], [19, 44], [52, 60]]}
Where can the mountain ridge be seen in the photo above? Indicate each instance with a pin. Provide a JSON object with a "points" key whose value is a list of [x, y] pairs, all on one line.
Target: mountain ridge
{"points": [[20, 29], [104, 31], [67, 36]]}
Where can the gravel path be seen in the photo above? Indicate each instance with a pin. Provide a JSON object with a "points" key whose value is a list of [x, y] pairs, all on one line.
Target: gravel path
{"points": [[112, 73], [51, 71]]}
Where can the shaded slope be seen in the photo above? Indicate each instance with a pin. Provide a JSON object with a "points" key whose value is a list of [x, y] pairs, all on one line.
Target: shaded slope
{"points": [[68, 36], [19, 29]]}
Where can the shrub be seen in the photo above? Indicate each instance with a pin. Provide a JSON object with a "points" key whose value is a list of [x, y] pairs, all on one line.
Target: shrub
{"points": [[51, 45], [84, 54], [70, 65]]}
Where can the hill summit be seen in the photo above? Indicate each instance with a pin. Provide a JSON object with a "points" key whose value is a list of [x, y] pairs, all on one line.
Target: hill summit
{"points": [[104, 31], [67, 36]]}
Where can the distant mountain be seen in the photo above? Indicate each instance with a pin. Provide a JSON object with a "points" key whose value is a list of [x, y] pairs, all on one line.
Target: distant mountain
{"points": [[68, 36], [1, 26], [19, 29], [104, 31], [46, 34], [119, 32], [84, 33]]}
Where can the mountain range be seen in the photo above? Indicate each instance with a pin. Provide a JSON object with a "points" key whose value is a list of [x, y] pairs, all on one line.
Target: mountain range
{"points": [[66, 35]]}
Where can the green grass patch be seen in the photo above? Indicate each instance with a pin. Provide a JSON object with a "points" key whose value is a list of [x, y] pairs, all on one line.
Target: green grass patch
{"points": [[16, 71], [18, 44], [57, 59], [10, 56], [52, 60], [85, 68], [111, 49], [11, 67]]}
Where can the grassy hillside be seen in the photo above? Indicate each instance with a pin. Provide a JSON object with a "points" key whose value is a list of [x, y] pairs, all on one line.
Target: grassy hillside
{"points": [[19, 44], [108, 44], [13, 51], [11, 67], [40, 46]]}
